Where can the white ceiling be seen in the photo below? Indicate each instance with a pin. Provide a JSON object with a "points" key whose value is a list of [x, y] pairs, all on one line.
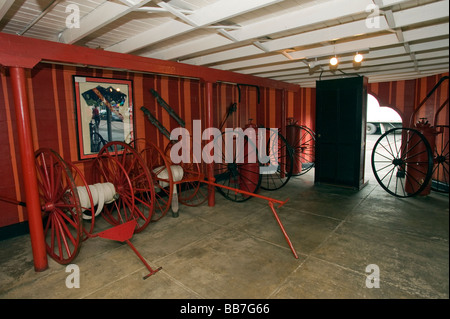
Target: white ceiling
{"points": [[287, 40]]}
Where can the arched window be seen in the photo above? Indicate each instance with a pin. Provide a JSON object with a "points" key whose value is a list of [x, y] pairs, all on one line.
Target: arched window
{"points": [[380, 118]]}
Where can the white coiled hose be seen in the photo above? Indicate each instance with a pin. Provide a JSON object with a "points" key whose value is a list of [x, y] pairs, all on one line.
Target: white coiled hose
{"points": [[177, 176], [102, 193]]}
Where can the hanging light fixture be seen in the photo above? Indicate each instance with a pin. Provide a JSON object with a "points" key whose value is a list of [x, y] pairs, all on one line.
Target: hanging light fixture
{"points": [[334, 61], [313, 64], [358, 57]]}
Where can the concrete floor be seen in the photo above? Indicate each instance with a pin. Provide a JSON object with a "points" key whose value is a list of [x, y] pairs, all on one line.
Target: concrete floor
{"points": [[237, 250]]}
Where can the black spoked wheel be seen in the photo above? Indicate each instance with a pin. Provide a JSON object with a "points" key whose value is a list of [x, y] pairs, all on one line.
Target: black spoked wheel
{"points": [[238, 167], [303, 151], [441, 154], [276, 160], [402, 162]]}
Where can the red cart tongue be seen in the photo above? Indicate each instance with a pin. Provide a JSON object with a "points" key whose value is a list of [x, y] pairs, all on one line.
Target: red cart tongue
{"points": [[121, 232]]}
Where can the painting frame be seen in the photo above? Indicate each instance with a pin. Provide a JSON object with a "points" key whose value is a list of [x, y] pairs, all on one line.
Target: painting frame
{"points": [[104, 113]]}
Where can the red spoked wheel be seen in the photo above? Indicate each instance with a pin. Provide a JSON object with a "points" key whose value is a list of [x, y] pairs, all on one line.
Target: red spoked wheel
{"points": [[186, 177], [141, 193], [61, 210], [122, 209], [160, 168]]}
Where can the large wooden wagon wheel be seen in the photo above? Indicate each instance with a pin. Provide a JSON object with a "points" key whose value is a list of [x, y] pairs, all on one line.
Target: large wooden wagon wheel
{"points": [[276, 169], [304, 151], [440, 178], [187, 177], [402, 162], [61, 210], [160, 168], [123, 208], [140, 190], [239, 167]]}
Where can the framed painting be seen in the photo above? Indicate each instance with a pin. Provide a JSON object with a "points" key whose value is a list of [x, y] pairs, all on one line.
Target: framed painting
{"points": [[104, 109]]}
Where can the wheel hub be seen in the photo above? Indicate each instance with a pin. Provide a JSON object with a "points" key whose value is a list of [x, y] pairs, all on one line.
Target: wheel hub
{"points": [[48, 207], [233, 169], [120, 188], [398, 162], [440, 159]]}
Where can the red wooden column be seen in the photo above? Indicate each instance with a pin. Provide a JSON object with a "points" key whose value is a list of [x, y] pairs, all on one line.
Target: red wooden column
{"points": [[209, 123], [22, 111]]}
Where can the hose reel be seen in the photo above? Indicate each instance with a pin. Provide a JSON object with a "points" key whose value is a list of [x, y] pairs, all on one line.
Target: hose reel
{"points": [[177, 174], [122, 191], [101, 194]]}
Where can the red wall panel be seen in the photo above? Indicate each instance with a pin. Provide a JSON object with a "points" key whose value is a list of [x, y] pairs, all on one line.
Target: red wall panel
{"points": [[302, 107], [10, 160], [51, 95]]}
